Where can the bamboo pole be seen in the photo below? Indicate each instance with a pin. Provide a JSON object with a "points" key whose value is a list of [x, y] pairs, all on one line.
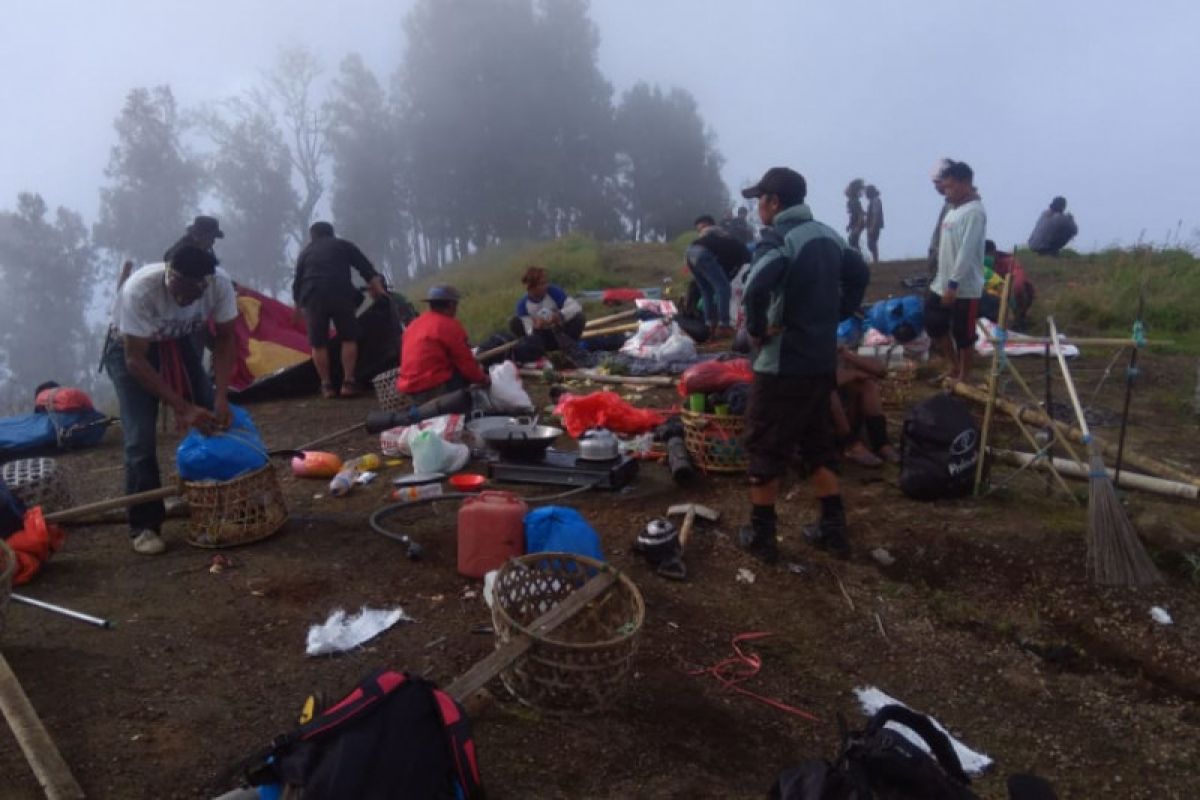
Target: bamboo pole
{"points": [[625, 380], [993, 384], [611, 318], [1020, 379], [1029, 437], [1102, 341], [1035, 417], [115, 502], [626, 328], [47, 763], [1128, 480]]}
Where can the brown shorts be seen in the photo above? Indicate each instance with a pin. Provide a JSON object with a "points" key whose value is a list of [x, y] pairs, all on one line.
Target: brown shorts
{"points": [[788, 420]]}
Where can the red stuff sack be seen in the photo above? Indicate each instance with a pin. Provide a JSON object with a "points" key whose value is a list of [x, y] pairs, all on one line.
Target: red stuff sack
{"points": [[715, 376]]}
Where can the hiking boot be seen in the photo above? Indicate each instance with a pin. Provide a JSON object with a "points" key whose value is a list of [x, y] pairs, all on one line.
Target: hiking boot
{"points": [[760, 545], [148, 543], [828, 536]]}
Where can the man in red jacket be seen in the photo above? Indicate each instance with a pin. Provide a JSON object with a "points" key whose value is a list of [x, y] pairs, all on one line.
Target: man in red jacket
{"points": [[435, 357]]}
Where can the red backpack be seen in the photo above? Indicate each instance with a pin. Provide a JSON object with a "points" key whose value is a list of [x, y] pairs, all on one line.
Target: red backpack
{"points": [[394, 736]]}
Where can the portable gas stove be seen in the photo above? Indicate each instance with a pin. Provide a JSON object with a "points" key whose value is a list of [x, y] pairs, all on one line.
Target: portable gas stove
{"points": [[561, 468]]}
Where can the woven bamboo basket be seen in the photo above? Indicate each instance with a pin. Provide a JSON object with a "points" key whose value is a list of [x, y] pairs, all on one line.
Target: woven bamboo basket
{"points": [[231, 513], [583, 665], [385, 391], [715, 442], [896, 390], [38, 482], [8, 566]]}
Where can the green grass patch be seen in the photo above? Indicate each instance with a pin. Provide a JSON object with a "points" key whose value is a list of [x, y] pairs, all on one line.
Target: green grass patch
{"points": [[1097, 294]]}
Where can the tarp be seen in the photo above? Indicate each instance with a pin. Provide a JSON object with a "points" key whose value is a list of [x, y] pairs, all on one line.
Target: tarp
{"points": [[270, 337]]}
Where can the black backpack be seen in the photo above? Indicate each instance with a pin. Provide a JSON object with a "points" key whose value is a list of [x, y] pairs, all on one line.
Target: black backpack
{"points": [[939, 449], [880, 763], [395, 736]]}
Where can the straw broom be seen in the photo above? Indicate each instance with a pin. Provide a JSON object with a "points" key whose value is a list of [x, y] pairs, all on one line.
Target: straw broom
{"points": [[1115, 556]]}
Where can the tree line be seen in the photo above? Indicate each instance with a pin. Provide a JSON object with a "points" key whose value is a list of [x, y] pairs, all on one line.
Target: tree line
{"points": [[496, 125]]}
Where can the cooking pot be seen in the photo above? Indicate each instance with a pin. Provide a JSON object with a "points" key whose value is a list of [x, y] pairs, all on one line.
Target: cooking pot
{"points": [[521, 442], [659, 541], [480, 424], [598, 444]]}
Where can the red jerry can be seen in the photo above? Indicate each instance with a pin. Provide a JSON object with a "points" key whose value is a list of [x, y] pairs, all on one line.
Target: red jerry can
{"points": [[491, 530]]}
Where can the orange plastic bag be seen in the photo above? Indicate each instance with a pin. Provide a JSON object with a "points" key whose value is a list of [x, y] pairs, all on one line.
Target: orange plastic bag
{"points": [[34, 544]]}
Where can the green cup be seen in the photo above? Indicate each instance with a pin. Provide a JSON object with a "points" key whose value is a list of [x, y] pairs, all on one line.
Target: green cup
{"points": [[697, 402], [721, 410]]}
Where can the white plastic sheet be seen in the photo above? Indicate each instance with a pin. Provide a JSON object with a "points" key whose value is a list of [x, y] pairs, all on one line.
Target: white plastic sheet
{"points": [[343, 632]]}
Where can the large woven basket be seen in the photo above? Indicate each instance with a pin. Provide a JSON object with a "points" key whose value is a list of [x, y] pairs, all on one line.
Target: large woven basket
{"points": [[38, 482], [8, 566], [385, 391], [584, 664], [230, 513], [715, 442]]}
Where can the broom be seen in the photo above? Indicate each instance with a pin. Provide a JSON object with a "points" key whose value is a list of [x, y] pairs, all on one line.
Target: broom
{"points": [[1115, 556]]}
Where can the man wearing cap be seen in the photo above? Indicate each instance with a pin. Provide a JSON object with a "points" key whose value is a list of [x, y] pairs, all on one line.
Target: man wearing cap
{"points": [[935, 175], [803, 281], [202, 233], [153, 359], [323, 291], [952, 304], [435, 358]]}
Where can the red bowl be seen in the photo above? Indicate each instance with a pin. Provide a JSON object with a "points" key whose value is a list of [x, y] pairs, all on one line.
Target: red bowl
{"points": [[467, 481]]}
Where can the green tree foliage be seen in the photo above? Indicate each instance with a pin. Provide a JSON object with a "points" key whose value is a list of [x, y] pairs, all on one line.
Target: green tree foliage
{"points": [[48, 270], [670, 166], [251, 175], [369, 204], [153, 181]]}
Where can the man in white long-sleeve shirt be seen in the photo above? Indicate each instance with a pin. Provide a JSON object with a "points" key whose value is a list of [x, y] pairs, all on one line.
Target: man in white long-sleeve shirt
{"points": [[952, 305]]}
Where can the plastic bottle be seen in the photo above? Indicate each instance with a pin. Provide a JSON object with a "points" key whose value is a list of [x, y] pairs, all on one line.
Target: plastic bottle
{"points": [[407, 494], [341, 484]]}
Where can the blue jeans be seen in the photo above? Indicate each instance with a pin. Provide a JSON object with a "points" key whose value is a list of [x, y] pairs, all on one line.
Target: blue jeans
{"points": [[713, 284], [139, 417]]}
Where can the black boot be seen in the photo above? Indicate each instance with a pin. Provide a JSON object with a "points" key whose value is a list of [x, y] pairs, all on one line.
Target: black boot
{"points": [[758, 538], [830, 533]]}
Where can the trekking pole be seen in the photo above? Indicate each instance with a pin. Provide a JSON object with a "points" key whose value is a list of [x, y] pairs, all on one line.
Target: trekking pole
{"points": [[66, 612], [1139, 337]]}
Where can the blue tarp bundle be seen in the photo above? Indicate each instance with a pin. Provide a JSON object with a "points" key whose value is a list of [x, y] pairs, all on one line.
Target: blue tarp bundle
{"points": [[63, 429]]}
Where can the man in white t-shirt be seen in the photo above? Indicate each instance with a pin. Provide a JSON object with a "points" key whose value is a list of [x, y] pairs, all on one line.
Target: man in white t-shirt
{"points": [[153, 357], [952, 305]]}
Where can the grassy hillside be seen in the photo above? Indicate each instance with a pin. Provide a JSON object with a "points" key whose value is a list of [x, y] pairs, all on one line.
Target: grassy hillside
{"points": [[1098, 293], [490, 281]]}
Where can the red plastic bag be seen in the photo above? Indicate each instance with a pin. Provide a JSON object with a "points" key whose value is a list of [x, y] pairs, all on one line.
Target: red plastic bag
{"points": [[62, 399], [613, 297], [604, 410], [715, 376]]}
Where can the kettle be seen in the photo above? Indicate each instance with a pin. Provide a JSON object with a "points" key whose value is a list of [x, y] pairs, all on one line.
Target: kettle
{"points": [[658, 541], [598, 444]]}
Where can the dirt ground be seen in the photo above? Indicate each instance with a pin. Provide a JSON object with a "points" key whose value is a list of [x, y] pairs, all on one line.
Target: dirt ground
{"points": [[984, 620]]}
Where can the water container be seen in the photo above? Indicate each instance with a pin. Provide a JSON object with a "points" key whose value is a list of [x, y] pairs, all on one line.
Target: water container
{"points": [[491, 530]]}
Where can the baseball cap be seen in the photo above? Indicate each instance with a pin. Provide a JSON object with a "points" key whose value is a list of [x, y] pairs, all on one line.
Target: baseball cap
{"points": [[206, 226], [442, 292], [785, 183]]}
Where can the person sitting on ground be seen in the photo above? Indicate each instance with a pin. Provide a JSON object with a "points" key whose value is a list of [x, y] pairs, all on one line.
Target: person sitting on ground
{"points": [[203, 233], [874, 221], [713, 259], [435, 356], [857, 405], [998, 264], [857, 217], [546, 314], [1054, 228], [323, 292], [153, 359]]}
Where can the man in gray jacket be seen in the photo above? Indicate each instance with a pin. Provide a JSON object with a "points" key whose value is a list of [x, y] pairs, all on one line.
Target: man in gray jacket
{"points": [[804, 280], [1054, 229]]}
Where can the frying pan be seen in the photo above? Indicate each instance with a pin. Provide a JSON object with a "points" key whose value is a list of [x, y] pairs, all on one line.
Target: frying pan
{"points": [[521, 442]]}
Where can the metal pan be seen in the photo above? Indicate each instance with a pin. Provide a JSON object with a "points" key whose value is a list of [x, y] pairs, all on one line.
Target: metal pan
{"points": [[521, 442]]}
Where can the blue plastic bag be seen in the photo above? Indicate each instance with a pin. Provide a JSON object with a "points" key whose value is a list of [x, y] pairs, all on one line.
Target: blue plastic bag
{"points": [[888, 315], [559, 529], [222, 456]]}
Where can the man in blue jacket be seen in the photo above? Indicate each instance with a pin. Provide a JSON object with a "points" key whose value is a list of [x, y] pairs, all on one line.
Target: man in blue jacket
{"points": [[804, 280]]}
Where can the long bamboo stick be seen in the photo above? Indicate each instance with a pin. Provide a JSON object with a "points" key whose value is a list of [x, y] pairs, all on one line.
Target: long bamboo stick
{"points": [[1128, 480], [1105, 341], [629, 326], [625, 380], [993, 384], [43, 756], [611, 318]]}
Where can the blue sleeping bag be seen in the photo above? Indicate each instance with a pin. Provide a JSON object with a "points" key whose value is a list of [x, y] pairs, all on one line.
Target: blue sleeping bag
{"points": [[62, 429], [888, 316]]}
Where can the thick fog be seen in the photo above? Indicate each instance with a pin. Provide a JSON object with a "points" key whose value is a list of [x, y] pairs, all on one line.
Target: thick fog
{"points": [[663, 114]]}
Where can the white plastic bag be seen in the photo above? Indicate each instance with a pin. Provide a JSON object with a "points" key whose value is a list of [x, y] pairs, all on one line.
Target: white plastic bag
{"points": [[428, 453], [506, 392], [660, 341], [397, 441]]}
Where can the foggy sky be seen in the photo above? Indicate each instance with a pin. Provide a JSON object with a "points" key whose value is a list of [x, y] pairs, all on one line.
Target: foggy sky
{"points": [[1092, 99]]}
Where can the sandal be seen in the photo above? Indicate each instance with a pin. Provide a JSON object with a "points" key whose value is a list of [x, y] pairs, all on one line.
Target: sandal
{"points": [[350, 389], [328, 391]]}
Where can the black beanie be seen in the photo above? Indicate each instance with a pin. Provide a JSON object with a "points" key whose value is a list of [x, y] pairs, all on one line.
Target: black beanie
{"points": [[193, 262]]}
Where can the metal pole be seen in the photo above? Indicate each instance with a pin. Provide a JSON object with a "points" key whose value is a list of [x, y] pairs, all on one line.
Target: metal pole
{"points": [[66, 612]]}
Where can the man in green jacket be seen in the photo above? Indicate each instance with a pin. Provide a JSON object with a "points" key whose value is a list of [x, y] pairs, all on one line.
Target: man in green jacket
{"points": [[805, 279]]}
